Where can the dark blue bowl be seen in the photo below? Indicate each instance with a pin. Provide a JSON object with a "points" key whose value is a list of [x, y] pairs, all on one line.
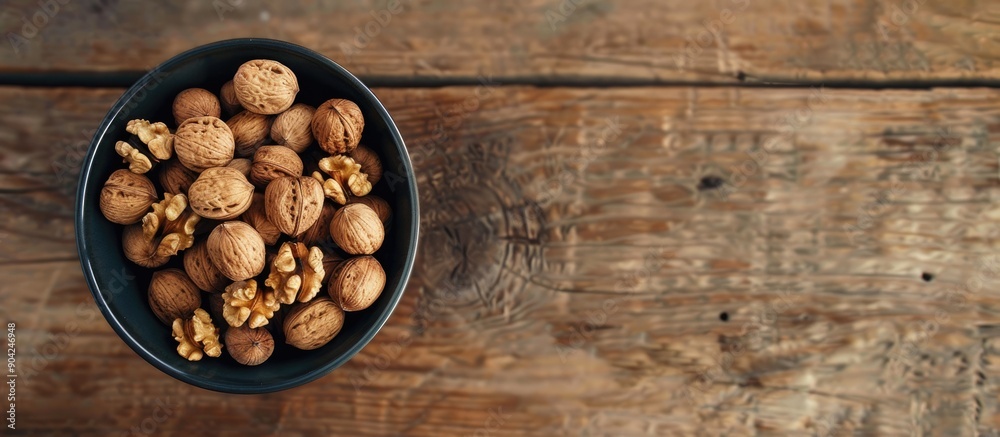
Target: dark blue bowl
{"points": [[119, 286]]}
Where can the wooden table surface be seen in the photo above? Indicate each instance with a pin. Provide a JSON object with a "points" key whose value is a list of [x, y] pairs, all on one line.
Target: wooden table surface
{"points": [[646, 217]]}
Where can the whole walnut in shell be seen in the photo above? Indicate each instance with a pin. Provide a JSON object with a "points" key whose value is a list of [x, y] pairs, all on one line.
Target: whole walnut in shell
{"points": [[370, 163], [249, 346], [293, 204], [357, 229], [356, 283], [172, 295], [241, 164], [126, 197], [337, 126], [265, 86], [292, 127], [313, 324], [319, 231], [204, 142], [250, 130], [141, 250], [256, 216], [272, 162], [237, 250], [201, 271], [227, 96], [195, 102], [377, 204], [175, 177], [220, 193]]}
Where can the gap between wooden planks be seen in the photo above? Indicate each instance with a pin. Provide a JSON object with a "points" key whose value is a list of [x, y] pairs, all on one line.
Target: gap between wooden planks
{"points": [[591, 270]]}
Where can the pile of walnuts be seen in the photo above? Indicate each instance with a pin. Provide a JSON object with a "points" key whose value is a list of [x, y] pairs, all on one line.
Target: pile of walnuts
{"points": [[264, 220]]}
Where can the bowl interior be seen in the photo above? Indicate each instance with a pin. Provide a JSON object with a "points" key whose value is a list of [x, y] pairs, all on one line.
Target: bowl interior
{"points": [[119, 286]]}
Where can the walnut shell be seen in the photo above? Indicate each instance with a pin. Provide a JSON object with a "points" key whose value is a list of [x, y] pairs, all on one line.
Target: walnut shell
{"points": [[201, 271], [175, 177], [227, 96], [371, 165], [272, 162], [292, 127], [357, 283], [313, 324], [378, 204], [337, 126], [141, 250], [256, 216], [241, 164], [172, 295], [126, 197], [250, 130], [204, 142], [319, 231], [220, 193], [195, 102], [249, 346], [293, 204], [357, 229], [265, 87], [237, 250]]}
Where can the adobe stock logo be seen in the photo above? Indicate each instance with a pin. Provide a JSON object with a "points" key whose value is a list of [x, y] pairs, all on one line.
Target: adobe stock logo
{"points": [[47, 9]]}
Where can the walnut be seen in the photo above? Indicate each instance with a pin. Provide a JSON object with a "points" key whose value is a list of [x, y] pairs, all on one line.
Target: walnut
{"points": [[296, 273], [272, 162], [319, 231], [220, 193], [126, 196], [256, 216], [337, 126], [204, 142], [156, 136], [172, 295], [170, 224], [370, 163], [195, 102], [227, 96], [250, 130], [313, 324], [357, 283], [345, 180], [331, 260], [197, 336], [265, 87], [200, 269], [175, 177], [357, 229], [241, 164], [237, 250], [249, 346], [292, 127], [293, 204], [137, 162], [377, 204], [139, 249], [245, 303]]}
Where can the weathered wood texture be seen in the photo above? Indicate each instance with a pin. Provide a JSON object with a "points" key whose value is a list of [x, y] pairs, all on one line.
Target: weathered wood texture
{"points": [[576, 266], [537, 40]]}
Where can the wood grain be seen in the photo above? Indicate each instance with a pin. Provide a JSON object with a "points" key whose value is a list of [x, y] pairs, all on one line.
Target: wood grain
{"points": [[537, 41], [575, 269]]}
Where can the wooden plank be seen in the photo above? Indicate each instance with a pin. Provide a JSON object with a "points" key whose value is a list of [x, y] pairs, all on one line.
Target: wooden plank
{"points": [[578, 257], [554, 41]]}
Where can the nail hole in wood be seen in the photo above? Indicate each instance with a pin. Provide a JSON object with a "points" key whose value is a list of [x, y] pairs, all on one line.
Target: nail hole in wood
{"points": [[927, 277], [724, 316], [710, 183]]}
